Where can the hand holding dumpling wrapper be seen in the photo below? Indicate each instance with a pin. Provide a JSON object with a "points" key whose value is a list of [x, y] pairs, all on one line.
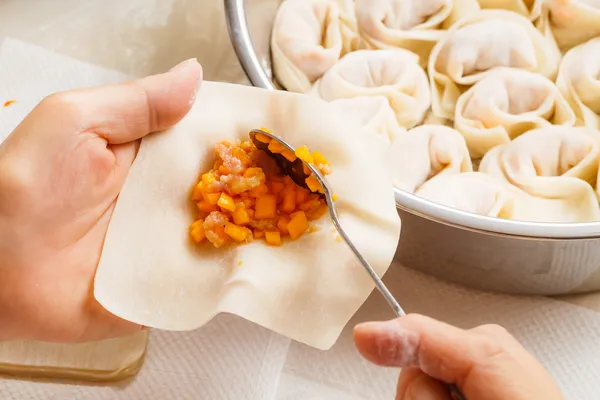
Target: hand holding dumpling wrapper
{"points": [[307, 289]]}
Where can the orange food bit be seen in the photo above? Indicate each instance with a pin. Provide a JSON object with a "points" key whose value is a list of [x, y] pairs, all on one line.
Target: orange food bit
{"points": [[334, 197], [314, 185], [245, 196], [240, 216], [263, 138], [266, 207], [273, 238], [298, 224], [9, 103], [237, 233], [226, 202], [304, 154], [319, 159]]}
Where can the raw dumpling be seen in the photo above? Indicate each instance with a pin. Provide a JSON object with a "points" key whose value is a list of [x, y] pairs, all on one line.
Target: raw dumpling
{"points": [[150, 271], [415, 25], [393, 74], [374, 114], [473, 192], [475, 45], [550, 171], [505, 104], [531, 9], [579, 81], [573, 21], [427, 151], [308, 37]]}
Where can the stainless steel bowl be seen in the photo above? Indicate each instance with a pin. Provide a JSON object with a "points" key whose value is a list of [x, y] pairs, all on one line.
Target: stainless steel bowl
{"points": [[476, 251]]}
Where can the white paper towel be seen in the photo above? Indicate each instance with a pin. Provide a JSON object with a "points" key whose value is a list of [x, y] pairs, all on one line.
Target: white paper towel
{"points": [[233, 359]]}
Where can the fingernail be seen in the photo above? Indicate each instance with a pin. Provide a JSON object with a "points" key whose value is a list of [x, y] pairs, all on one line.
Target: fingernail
{"points": [[424, 387], [184, 64], [393, 344]]}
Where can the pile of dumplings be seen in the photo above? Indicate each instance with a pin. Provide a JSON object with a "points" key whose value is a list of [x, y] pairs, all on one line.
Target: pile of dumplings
{"points": [[488, 106]]}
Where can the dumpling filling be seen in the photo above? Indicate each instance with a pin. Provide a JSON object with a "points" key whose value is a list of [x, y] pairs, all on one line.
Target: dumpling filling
{"points": [[246, 196]]}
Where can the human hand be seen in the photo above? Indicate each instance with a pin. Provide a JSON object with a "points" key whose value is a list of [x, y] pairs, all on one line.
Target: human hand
{"points": [[486, 363], [61, 171]]}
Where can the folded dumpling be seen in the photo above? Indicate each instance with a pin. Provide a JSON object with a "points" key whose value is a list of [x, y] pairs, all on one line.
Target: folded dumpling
{"points": [[579, 81], [573, 21], [476, 45], [374, 115], [308, 37], [393, 74], [473, 192], [551, 172], [531, 9], [415, 25], [427, 151], [506, 103]]}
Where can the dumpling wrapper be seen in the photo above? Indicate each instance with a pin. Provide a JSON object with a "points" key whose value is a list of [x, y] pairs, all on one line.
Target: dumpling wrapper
{"points": [[393, 74], [505, 104], [374, 115], [551, 173], [104, 361], [477, 44], [532, 9], [415, 25], [427, 151], [151, 273], [579, 81], [573, 21], [308, 38], [473, 192]]}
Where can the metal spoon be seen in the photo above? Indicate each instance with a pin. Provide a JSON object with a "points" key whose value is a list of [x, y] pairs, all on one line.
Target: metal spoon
{"points": [[296, 171]]}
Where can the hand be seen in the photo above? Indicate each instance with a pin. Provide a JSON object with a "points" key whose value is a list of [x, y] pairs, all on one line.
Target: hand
{"points": [[61, 171], [486, 363]]}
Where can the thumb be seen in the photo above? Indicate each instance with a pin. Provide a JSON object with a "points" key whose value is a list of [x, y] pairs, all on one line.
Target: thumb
{"points": [[126, 112]]}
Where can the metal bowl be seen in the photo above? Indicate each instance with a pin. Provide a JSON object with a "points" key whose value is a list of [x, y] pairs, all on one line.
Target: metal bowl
{"points": [[481, 252]]}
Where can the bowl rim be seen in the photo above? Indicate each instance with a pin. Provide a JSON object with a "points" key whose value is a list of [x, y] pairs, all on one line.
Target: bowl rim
{"points": [[239, 33], [542, 230]]}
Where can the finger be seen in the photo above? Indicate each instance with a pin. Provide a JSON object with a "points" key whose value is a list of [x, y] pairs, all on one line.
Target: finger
{"points": [[414, 384], [126, 112], [472, 359]]}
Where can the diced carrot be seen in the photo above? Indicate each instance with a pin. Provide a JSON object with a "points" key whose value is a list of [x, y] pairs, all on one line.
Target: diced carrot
{"points": [[314, 185], [317, 213], [258, 234], [291, 157], [273, 238], [206, 207], [298, 224], [276, 147], [263, 138], [248, 203], [258, 191], [288, 204], [304, 154], [237, 233], [208, 178], [252, 172], [240, 216], [226, 202], [319, 159], [282, 224], [277, 187], [301, 195], [266, 207], [211, 198], [198, 191], [306, 170], [197, 231]]}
